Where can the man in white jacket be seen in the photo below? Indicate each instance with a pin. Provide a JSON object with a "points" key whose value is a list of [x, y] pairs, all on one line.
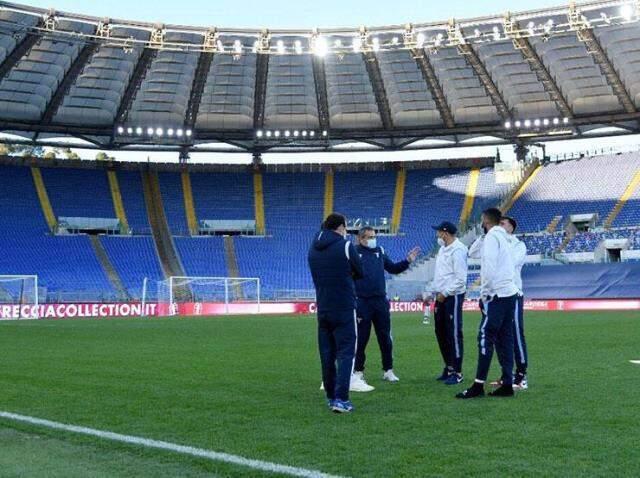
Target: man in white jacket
{"points": [[499, 291], [449, 287], [519, 254]]}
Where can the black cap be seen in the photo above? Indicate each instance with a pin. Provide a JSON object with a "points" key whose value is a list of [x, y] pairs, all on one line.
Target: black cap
{"points": [[446, 226]]}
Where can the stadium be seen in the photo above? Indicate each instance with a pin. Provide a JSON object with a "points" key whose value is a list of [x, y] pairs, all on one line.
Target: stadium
{"points": [[161, 185]]}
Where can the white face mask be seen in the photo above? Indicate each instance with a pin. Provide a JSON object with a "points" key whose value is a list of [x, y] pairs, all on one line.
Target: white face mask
{"points": [[441, 242], [372, 243]]}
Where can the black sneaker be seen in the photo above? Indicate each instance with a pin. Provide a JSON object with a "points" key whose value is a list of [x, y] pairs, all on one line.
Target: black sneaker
{"points": [[502, 391], [474, 391], [445, 375], [520, 381]]}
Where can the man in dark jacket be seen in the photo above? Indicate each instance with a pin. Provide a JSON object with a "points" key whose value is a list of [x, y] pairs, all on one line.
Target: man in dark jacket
{"points": [[373, 305], [334, 265]]}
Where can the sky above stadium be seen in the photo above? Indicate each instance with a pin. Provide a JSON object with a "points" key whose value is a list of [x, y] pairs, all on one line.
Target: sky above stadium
{"points": [[288, 13]]}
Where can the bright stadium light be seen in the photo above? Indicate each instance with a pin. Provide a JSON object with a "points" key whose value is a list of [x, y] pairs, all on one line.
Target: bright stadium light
{"points": [[556, 121], [150, 131], [536, 122], [325, 133], [626, 11], [276, 133], [287, 133], [237, 47], [545, 121], [312, 133], [375, 44], [259, 133], [297, 46], [179, 133], [120, 130], [565, 120], [527, 123], [518, 124], [139, 131], [280, 47], [268, 134], [304, 134], [129, 130], [170, 132], [189, 132], [507, 124], [320, 47], [296, 133], [420, 38], [159, 132]]}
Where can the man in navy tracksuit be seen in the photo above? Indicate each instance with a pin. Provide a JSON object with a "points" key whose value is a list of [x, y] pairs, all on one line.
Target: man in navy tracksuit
{"points": [[373, 305], [334, 265]]}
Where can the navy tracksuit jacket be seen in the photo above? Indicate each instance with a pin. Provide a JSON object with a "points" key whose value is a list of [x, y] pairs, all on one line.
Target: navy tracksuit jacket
{"points": [[373, 305], [334, 265]]}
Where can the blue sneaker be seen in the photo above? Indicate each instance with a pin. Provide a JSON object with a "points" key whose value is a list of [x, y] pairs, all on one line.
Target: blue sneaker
{"points": [[444, 376], [454, 379], [342, 406]]}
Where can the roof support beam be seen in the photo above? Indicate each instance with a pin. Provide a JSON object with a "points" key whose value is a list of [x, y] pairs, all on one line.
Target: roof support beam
{"points": [[199, 80], [530, 55], [456, 37], [375, 76], [320, 80], [434, 86], [262, 70], [18, 53], [586, 35], [67, 82], [144, 62]]}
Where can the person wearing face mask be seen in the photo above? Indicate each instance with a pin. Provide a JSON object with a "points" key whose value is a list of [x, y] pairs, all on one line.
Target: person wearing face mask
{"points": [[450, 286], [334, 265], [373, 305], [499, 292]]}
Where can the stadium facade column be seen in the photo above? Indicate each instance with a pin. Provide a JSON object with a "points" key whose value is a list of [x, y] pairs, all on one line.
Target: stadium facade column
{"points": [[258, 194]]}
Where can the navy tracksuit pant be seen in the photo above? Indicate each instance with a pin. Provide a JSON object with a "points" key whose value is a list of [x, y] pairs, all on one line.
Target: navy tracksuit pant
{"points": [[448, 329], [519, 342], [337, 337], [496, 331], [374, 311]]}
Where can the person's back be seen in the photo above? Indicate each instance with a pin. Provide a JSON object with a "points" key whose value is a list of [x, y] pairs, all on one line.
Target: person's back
{"points": [[332, 271], [334, 264]]}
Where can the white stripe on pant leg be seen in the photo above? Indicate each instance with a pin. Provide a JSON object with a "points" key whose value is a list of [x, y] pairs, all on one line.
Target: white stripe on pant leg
{"points": [[516, 319], [455, 326], [483, 350], [173, 447], [355, 350]]}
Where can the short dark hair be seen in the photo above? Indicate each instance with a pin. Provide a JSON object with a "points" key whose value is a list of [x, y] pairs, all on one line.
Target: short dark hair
{"points": [[364, 230], [334, 221], [493, 214], [511, 221]]}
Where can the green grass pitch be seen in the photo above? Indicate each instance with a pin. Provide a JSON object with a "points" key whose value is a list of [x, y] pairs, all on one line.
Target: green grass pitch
{"points": [[249, 386]]}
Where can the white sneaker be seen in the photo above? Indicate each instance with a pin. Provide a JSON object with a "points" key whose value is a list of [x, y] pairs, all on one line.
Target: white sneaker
{"points": [[389, 376], [358, 384], [321, 385]]}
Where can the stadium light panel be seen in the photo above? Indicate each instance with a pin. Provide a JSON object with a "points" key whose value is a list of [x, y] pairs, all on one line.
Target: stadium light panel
{"points": [[304, 134], [150, 131], [287, 133], [280, 47], [179, 133], [375, 44], [565, 120], [312, 133], [159, 132], [527, 123], [268, 134], [276, 133], [325, 133], [259, 133], [298, 47], [170, 132], [536, 122], [129, 130], [120, 130], [320, 47], [296, 133], [507, 124], [556, 121], [189, 132], [139, 131], [518, 124], [545, 122]]}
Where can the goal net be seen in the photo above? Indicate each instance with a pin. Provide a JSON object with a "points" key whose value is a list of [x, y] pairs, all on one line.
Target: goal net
{"points": [[19, 297], [204, 295]]}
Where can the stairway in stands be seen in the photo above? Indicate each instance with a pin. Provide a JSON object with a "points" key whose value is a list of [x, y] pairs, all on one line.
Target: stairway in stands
{"points": [[108, 267]]}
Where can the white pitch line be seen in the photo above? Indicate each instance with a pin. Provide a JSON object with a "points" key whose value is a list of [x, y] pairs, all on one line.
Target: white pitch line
{"points": [[163, 445], [637, 362]]}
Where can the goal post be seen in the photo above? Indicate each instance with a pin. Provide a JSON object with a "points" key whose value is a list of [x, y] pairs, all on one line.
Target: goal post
{"points": [[229, 292], [21, 293]]}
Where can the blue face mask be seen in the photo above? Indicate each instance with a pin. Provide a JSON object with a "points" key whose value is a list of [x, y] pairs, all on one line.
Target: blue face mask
{"points": [[372, 243]]}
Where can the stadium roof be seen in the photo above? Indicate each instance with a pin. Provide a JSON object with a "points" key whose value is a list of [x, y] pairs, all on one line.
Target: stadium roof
{"points": [[555, 73]]}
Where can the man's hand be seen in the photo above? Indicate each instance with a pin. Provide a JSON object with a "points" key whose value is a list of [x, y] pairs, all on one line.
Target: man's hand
{"points": [[413, 254], [440, 298]]}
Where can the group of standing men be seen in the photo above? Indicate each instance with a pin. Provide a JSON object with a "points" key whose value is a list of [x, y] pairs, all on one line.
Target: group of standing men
{"points": [[351, 298]]}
